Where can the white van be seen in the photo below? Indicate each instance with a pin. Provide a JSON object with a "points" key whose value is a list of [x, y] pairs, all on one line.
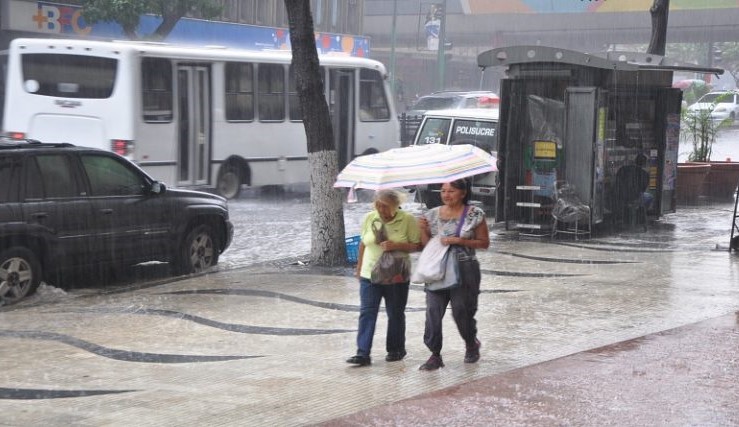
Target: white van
{"points": [[475, 126]]}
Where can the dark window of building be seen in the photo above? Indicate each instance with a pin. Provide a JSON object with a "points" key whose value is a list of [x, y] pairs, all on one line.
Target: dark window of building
{"points": [[264, 13], [246, 12], [281, 15]]}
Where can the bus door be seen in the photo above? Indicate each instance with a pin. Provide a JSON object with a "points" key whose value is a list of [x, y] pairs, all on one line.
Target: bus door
{"points": [[193, 126], [341, 107]]}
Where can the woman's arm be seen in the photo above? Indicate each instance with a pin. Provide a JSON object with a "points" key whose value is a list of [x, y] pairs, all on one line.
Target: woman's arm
{"points": [[360, 255], [388, 245], [480, 240]]}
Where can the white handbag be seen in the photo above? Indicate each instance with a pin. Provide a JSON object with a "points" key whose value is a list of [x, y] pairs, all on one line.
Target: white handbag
{"points": [[431, 264]]}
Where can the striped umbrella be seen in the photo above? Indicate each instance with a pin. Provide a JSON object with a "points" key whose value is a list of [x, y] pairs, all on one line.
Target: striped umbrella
{"points": [[415, 165]]}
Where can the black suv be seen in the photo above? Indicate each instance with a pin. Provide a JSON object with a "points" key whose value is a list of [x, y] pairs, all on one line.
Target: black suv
{"points": [[63, 207]]}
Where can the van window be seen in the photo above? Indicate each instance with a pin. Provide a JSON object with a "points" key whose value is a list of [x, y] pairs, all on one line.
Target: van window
{"points": [[476, 132], [434, 131]]}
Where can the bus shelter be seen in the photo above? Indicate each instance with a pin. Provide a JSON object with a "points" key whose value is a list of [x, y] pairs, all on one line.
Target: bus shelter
{"points": [[570, 120]]}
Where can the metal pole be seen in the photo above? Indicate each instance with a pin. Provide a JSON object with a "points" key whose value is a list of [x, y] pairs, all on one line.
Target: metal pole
{"points": [[392, 47], [440, 58]]}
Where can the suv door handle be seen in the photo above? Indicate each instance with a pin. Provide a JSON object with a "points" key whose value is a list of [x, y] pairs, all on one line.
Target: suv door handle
{"points": [[39, 215], [106, 211]]}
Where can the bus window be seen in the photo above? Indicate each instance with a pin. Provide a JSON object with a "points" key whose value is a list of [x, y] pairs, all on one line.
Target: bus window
{"points": [[69, 76], [293, 102], [156, 77], [239, 92], [3, 81], [373, 105], [271, 97]]}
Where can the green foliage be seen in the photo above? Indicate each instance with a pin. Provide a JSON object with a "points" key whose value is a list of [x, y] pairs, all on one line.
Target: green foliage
{"points": [[127, 12], [701, 130]]}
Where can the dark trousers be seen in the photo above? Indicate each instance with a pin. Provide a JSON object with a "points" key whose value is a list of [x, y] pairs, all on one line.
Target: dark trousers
{"points": [[464, 307], [396, 298]]}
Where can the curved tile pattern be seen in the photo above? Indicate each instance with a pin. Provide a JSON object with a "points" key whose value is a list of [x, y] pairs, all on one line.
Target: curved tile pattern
{"points": [[567, 260], [231, 327], [523, 274], [38, 394], [614, 247], [270, 294], [122, 355]]}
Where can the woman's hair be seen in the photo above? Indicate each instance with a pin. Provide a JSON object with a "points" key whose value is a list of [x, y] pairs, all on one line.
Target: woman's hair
{"points": [[465, 185], [390, 197]]}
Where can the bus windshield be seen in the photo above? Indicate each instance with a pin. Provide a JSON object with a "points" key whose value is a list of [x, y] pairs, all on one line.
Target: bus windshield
{"points": [[69, 76]]}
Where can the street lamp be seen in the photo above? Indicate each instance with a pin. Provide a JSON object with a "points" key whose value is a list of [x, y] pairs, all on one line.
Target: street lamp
{"points": [[440, 58], [392, 46]]}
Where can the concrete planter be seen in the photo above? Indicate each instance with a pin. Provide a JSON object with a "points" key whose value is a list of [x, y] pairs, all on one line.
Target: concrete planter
{"points": [[690, 180], [722, 180], [716, 180]]}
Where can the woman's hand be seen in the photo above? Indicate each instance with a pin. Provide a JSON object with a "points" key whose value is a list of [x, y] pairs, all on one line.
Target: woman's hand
{"points": [[423, 224], [387, 245], [451, 240]]}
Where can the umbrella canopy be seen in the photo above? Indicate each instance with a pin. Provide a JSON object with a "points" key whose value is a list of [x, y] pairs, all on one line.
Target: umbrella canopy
{"points": [[684, 84], [415, 165]]}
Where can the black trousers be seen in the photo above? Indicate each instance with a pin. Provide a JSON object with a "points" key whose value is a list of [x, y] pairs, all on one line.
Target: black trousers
{"points": [[464, 307]]}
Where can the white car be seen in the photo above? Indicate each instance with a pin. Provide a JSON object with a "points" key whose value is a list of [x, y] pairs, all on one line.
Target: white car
{"points": [[722, 105]]}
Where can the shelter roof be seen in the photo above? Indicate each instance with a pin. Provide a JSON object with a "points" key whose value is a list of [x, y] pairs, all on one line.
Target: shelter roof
{"points": [[615, 60]]}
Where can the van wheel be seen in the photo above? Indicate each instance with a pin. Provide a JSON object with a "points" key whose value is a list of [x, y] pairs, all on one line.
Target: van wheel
{"points": [[229, 182], [20, 274], [199, 251]]}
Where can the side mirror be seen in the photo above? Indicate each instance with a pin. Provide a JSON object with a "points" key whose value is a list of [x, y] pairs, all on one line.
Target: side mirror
{"points": [[158, 187]]}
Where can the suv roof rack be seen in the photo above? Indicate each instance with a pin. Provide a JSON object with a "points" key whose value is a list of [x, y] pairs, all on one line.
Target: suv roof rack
{"points": [[32, 143]]}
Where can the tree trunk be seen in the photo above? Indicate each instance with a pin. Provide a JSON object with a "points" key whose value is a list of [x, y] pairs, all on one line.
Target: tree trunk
{"points": [[327, 214], [659, 11]]}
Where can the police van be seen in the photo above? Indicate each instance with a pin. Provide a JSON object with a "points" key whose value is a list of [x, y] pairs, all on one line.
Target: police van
{"points": [[475, 126]]}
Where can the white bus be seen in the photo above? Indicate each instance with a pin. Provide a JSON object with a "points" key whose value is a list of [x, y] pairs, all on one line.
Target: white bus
{"points": [[192, 117]]}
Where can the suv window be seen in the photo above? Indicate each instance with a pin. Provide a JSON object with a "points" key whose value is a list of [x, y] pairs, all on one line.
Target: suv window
{"points": [[8, 180], [56, 177], [110, 177]]}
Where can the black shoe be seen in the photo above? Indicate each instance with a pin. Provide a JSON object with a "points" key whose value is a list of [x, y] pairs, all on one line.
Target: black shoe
{"points": [[472, 354], [394, 356], [432, 364], [359, 360]]}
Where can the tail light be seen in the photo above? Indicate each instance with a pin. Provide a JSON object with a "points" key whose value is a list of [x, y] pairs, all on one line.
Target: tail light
{"points": [[122, 147], [16, 135]]}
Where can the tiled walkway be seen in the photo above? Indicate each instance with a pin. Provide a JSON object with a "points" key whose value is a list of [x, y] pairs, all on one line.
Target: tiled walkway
{"points": [[266, 345]]}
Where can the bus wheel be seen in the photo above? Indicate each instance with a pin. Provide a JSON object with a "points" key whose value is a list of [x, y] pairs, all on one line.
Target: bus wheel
{"points": [[229, 182]]}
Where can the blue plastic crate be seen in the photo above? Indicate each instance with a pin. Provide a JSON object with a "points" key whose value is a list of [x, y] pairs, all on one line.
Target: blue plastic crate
{"points": [[352, 249]]}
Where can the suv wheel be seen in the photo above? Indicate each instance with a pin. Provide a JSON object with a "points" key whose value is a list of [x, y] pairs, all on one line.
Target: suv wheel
{"points": [[199, 251], [20, 274]]}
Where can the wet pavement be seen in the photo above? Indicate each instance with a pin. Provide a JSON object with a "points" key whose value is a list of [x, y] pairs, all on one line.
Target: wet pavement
{"points": [[622, 329]]}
